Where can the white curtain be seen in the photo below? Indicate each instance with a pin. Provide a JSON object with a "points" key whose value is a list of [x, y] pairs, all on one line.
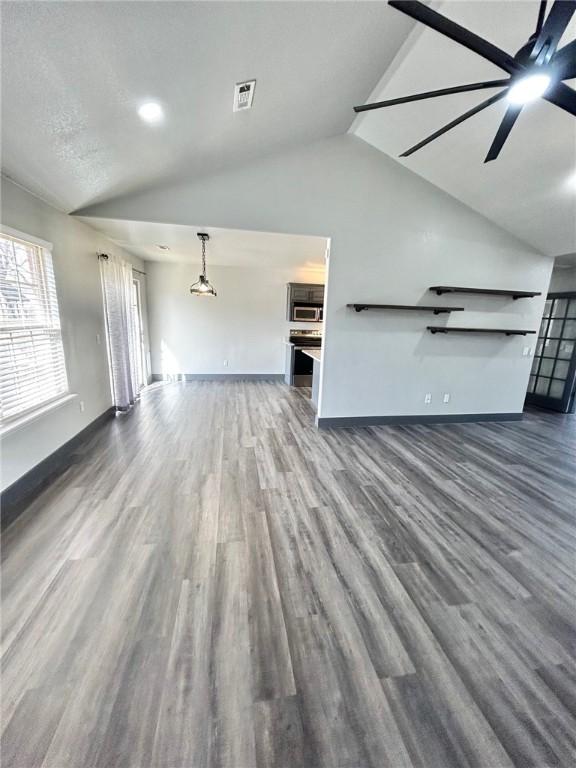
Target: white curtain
{"points": [[121, 333]]}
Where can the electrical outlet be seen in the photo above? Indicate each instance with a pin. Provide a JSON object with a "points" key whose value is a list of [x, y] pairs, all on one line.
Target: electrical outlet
{"points": [[81, 404], [225, 363], [98, 339], [446, 397], [428, 398]]}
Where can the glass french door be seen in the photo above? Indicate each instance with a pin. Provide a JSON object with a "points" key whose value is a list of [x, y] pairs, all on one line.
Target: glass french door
{"points": [[553, 377]]}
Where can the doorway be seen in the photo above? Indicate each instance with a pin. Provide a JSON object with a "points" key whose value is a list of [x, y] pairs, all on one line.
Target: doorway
{"points": [[552, 383], [139, 343]]}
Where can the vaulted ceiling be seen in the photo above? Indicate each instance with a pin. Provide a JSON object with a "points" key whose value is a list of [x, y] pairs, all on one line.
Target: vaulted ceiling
{"points": [[531, 188], [74, 74]]}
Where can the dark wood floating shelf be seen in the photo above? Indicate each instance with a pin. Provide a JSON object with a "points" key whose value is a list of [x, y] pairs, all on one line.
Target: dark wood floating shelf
{"points": [[440, 289], [506, 331], [408, 307]]}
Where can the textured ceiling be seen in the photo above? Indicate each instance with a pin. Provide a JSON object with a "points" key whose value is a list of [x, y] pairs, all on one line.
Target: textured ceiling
{"points": [[74, 74], [226, 247], [530, 189]]}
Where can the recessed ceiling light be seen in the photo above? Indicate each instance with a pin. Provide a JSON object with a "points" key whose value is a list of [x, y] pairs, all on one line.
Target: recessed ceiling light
{"points": [[163, 247], [151, 112], [528, 88]]}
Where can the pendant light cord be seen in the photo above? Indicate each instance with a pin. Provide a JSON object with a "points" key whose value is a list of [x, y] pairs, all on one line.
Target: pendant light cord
{"points": [[204, 257]]}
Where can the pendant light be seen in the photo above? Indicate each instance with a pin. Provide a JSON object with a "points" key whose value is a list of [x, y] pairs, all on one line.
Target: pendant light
{"points": [[203, 287]]}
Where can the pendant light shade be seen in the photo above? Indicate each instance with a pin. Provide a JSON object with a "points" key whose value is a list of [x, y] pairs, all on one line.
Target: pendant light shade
{"points": [[203, 286]]}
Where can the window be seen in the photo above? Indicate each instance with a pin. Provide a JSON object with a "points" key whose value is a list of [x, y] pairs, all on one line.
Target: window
{"points": [[32, 366]]}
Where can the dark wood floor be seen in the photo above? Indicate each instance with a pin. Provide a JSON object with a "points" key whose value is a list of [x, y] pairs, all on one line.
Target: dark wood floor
{"points": [[215, 583]]}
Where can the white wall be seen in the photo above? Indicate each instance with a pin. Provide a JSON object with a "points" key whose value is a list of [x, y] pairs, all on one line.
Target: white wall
{"points": [[563, 280], [81, 311], [393, 235], [245, 324]]}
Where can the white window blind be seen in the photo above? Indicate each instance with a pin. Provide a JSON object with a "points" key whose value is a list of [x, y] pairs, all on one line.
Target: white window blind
{"points": [[32, 365]]}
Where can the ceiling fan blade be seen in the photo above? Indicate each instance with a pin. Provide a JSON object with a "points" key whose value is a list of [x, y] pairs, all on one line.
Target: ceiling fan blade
{"points": [[564, 61], [503, 131], [541, 16], [562, 96], [454, 123], [459, 34], [432, 94], [553, 28]]}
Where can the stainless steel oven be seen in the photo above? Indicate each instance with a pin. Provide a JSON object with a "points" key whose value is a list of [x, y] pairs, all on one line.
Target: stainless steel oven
{"points": [[299, 366], [307, 314]]}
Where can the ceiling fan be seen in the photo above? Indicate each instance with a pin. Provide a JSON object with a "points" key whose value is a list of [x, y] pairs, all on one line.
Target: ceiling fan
{"points": [[536, 70]]}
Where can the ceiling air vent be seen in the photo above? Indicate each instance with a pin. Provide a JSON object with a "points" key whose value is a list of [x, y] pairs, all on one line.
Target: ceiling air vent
{"points": [[243, 95]]}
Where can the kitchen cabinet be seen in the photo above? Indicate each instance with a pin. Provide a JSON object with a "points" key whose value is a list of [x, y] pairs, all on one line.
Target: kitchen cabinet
{"points": [[303, 294], [309, 293]]}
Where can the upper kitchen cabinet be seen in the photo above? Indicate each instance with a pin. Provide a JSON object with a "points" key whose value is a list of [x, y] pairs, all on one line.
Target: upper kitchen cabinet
{"points": [[305, 302]]}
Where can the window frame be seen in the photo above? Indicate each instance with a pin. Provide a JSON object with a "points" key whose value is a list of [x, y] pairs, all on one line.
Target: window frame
{"points": [[16, 420]]}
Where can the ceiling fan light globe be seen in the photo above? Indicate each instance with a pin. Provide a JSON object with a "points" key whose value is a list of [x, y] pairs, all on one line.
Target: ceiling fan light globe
{"points": [[528, 88]]}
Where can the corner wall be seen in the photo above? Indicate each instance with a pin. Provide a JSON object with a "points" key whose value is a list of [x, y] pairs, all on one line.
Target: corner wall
{"points": [[392, 236], [77, 277], [563, 280]]}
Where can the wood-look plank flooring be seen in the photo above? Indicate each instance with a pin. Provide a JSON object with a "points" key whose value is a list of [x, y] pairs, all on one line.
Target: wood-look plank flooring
{"points": [[216, 584]]}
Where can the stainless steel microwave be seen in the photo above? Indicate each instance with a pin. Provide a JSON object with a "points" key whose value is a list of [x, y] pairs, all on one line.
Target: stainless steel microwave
{"points": [[307, 314]]}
